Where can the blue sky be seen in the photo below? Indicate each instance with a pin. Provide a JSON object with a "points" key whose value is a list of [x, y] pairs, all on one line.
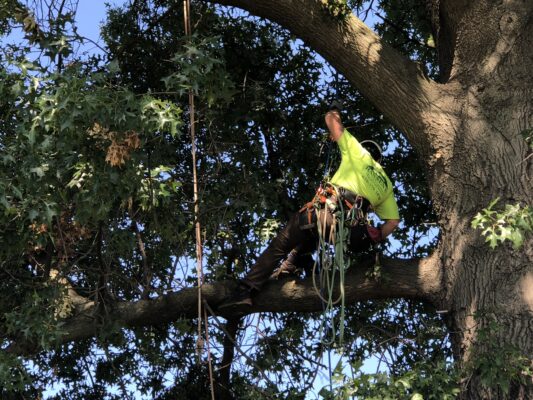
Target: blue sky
{"points": [[89, 19]]}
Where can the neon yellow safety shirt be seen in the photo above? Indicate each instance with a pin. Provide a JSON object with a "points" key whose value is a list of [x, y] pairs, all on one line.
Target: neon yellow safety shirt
{"points": [[362, 175]]}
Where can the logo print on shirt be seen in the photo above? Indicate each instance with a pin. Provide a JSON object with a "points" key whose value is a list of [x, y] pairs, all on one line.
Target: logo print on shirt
{"points": [[376, 176]]}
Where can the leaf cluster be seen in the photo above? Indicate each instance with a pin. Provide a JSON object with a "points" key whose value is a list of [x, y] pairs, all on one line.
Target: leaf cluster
{"points": [[405, 24], [10, 10], [423, 381], [512, 223]]}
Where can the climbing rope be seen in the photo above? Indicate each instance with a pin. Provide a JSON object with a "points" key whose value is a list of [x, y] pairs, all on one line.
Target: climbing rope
{"points": [[197, 226], [192, 131], [333, 261], [378, 147], [332, 256]]}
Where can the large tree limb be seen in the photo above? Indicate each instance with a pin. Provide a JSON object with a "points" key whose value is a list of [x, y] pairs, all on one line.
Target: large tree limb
{"points": [[392, 82], [414, 279]]}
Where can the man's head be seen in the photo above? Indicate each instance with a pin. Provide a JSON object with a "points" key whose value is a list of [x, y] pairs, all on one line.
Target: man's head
{"points": [[373, 148]]}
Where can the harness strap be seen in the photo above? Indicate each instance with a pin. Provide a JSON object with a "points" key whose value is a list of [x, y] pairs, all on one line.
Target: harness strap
{"points": [[330, 195]]}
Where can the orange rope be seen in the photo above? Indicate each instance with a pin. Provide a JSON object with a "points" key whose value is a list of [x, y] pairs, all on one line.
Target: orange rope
{"points": [[192, 130]]}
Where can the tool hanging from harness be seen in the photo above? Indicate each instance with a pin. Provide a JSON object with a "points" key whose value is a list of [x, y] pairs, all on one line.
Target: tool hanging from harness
{"points": [[355, 218], [338, 218], [328, 196]]}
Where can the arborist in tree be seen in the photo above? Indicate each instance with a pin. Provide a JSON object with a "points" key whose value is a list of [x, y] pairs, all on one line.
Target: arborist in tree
{"points": [[360, 183]]}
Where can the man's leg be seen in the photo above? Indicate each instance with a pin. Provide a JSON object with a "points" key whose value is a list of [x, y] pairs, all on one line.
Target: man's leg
{"points": [[360, 241], [288, 239]]}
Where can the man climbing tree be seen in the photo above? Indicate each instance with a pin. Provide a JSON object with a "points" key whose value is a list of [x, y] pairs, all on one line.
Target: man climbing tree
{"points": [[96, 184], [359, 183]]}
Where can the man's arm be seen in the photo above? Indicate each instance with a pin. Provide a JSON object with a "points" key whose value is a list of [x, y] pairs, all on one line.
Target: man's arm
{"points": [[379, 234], [336, 129], [334, 124], [388, 227]]}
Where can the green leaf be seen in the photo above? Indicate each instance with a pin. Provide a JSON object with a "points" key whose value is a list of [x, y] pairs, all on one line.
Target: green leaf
{"points": [[508, 225], [404, 382], [39, 171], [33, 214], [66, 124], [50, 211], [517, 239], [113, 66]]}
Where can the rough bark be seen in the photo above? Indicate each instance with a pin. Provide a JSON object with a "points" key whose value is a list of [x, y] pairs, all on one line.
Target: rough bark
{"points": [[467, 132], [492, 57], [414, 279]]}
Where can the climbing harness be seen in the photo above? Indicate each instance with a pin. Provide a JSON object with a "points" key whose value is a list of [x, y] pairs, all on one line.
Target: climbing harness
{"points": [[328, 196], [335, 213]]}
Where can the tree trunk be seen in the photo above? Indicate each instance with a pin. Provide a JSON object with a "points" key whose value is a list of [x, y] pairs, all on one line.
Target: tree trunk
{"points": [[492, 64]]}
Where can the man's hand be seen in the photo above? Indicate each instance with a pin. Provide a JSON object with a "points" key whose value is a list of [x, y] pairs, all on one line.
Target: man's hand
{"points": [[374, 233], [335, 105], [334, 124], [379, 234]]}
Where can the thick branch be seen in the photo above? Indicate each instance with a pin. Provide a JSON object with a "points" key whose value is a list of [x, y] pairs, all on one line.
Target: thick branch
{"points": [[392, 82], [413, 279]]}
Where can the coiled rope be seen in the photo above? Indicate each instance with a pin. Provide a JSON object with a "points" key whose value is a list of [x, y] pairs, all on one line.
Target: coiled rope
{"points": [[333, 260]]}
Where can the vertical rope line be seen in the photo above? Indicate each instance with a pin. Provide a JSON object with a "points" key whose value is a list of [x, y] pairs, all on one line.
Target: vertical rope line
{"points": [[199, 271], [192, 130], [330, 370]]}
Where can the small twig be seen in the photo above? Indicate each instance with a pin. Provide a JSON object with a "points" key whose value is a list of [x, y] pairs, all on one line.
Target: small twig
{"points": [[90, 374], [525, 159], [102, 49], [121, 381], [147, 274]]}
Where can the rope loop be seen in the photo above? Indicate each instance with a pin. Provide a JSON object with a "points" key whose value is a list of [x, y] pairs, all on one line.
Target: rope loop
{"points": [[332, 260]]}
